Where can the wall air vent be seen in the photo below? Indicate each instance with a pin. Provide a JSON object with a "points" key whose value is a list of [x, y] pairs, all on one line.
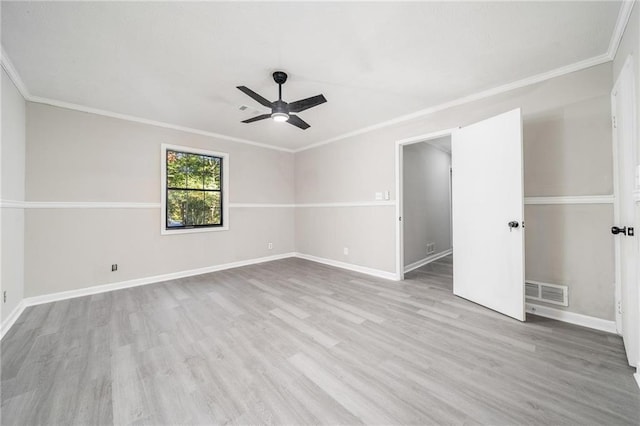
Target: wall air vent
{"points": [[548, 293]]}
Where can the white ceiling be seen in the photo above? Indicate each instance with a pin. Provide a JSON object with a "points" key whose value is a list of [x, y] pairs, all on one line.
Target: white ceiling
{"points": [[179, 62]]}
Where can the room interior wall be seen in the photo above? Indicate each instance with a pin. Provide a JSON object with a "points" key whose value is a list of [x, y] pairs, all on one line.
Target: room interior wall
{"points": [[84, 158], [12, 154], [567, 152], [426, 201], [87, 159]]}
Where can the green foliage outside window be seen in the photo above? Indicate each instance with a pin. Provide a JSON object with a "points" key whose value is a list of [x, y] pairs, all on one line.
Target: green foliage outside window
{"points": [[194, 194]]}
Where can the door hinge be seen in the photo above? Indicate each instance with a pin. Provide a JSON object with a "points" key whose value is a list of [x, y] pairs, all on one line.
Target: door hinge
{"points": [[613, 121], [620, 307]]}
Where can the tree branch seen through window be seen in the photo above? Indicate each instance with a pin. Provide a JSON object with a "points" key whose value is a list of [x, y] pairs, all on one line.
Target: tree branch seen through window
{"points": [[194, 190]]}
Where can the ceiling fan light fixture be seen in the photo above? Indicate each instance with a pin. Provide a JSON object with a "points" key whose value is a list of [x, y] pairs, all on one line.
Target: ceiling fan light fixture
{"points": [[280, 117], [281, 111]]}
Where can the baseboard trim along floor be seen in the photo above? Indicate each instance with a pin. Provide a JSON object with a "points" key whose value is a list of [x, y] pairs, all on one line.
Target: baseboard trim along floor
{"points": [[349, 266], [415, 265], [565, 316], [103, 288], [572, 318]]}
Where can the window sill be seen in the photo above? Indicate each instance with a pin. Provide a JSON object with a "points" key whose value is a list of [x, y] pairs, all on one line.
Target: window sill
{"points": [[193, 230]]}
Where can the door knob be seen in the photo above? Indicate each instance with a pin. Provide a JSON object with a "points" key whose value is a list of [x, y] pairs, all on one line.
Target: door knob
{"points": [[624, 230], [513, 224]]}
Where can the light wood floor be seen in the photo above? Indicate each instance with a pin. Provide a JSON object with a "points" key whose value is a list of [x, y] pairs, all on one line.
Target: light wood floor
{"points": [[295, 342]]}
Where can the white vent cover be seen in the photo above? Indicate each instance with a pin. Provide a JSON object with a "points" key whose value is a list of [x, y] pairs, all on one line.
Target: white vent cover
{"points": [[549, 293]]}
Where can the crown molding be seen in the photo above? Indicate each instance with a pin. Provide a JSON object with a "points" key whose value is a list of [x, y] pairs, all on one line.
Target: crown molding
{"points": [[623, 18], [11, 71], [621, 22], [577, 66], [127, 117], [8, 66], [624, 14]]}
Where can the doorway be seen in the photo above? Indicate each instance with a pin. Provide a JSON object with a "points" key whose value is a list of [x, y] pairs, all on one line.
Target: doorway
{"points": [[413, 255], [487, 210], [427, 232]]}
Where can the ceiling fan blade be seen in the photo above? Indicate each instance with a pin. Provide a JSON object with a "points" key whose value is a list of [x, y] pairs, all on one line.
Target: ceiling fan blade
{"points": [[254, 96], [298, 122], [257, 118], [303, 104]]}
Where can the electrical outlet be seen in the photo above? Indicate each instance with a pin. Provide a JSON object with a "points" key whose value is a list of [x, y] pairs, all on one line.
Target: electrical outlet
{"points": [[431, 248], [270, 246], [378, 196], [114, 267], [346, 250], [387, 195]]}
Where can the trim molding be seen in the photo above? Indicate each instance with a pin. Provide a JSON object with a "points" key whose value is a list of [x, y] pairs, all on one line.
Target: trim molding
{"points": [[11, 319], [427, 260], [565, 316], [623, 17], [350, 204], [71, 294], [578, 66], [637, 377], [76, 205], [87, 291], [11, 71], [349, 266], [571, 199], [618, 31], [572, 318], [127, 117], [14, 204], [8, 66], [259, 205]]}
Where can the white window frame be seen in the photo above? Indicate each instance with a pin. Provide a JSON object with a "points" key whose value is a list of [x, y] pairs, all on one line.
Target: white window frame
{"points": [[163, 187]]}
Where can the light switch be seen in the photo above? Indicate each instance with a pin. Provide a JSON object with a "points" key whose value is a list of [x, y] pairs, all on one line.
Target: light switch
{"points": [[386, 195]]}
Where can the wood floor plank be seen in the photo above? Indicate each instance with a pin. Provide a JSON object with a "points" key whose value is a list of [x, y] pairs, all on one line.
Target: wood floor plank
{"points": [[296, 342], [304, 328]]}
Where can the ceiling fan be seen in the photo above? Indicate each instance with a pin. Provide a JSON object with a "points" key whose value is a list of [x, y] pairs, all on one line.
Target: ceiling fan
{"points": [[280, 110]]}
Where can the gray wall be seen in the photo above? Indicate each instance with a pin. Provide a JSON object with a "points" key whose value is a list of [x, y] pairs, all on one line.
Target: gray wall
{"points": [[426, 200], [12, 153], [79, 157], [567, 146], [74, 156]]}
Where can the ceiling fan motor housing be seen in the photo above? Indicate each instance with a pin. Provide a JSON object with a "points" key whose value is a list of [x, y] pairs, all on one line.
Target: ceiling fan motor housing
{"points": [[279, 111], [280, 77]]}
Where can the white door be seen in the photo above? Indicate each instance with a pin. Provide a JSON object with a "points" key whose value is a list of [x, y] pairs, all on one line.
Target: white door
{"points": [[623, 111], [488, 211]]}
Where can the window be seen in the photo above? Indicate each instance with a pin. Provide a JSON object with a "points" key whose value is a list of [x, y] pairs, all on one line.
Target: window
{"points": [[194, 195]]}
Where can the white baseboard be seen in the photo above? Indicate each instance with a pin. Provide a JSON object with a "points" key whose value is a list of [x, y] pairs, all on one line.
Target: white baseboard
{"points": [[349, 266], [637, 376], [88, 291], [572, 317], [71, 294], [46, 298], [11, 319], [415, 265]]}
